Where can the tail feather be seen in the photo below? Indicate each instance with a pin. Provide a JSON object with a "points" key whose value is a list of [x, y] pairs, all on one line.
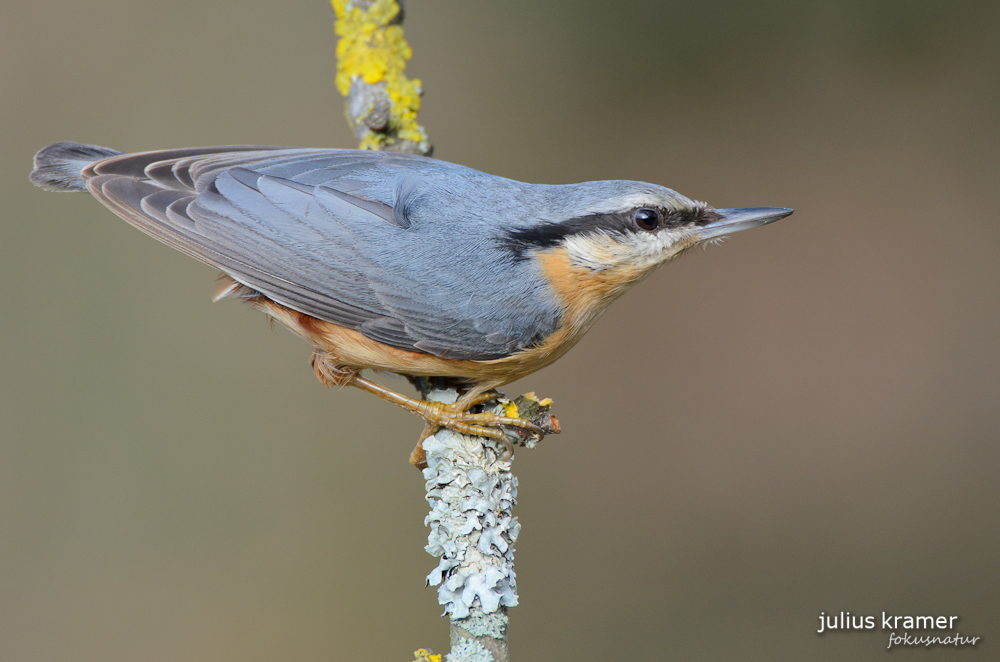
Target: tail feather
{"points": [[58, 167]]}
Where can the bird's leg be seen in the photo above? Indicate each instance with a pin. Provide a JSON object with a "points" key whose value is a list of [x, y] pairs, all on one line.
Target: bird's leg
{"points": [[437, 414], [454, 417]]}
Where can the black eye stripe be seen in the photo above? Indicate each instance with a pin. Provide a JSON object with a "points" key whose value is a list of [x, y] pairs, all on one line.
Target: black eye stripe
{"points": [[546, 235], [518, 242]]}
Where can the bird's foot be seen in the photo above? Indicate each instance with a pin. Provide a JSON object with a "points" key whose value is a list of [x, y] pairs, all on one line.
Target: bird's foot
{"points": [[525, 420], [517, 422], [457, 417]]}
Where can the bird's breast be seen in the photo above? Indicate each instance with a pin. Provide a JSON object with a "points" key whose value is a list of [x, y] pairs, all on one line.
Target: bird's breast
{"points": [[585, 291], [584, 294]]}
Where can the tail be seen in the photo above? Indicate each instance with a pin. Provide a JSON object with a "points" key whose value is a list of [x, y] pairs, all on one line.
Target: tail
{"points": [[59, 167]]}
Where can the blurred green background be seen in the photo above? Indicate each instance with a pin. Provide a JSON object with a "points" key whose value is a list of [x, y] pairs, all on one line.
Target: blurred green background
{"points": [[804, 419]]}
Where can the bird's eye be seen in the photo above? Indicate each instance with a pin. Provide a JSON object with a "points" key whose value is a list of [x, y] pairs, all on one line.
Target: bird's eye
{"points": [[646, 219]]}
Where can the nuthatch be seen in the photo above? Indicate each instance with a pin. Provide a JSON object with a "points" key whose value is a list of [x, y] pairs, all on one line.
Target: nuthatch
{"points": [[401, 263]]}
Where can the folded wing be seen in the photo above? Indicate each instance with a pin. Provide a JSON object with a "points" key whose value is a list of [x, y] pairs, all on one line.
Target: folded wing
{"points": [[325, 232]]}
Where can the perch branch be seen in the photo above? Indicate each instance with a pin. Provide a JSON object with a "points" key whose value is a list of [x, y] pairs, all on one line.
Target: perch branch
{"points": [[472, 492], [469, 483]]}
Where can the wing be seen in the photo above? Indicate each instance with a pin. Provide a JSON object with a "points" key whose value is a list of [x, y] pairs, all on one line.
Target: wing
{"points": [[343, 235]]}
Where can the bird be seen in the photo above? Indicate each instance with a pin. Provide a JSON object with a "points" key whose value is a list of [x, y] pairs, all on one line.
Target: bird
{"points": [[399, 263]]}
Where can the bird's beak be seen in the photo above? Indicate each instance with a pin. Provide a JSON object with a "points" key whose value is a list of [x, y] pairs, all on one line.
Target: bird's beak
{"points": [[743, 218]]}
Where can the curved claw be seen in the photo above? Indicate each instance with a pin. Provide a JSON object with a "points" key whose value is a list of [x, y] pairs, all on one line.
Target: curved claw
{"points": [[539, 432], [508, 449], [522, 425]]}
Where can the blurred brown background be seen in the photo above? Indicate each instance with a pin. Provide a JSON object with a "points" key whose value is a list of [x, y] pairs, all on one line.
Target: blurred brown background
{"points": [[804, 419]]}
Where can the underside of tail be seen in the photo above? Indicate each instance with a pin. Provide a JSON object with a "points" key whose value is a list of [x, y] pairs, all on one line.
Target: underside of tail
{"points": [[58, 167]]}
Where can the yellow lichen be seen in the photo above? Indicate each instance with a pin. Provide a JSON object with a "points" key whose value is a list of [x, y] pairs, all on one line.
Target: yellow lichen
{"points": [[424, 655], [372, 140], [371, 50], [547, 402], [510, 410]]}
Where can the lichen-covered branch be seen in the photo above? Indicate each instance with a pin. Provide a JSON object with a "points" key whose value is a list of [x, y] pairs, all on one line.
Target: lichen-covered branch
{"points": [[469, 483], [382, 103], [472, 493]]}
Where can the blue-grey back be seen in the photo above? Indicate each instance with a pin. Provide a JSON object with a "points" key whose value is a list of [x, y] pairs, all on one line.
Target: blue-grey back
{"points": [[405, 249]]}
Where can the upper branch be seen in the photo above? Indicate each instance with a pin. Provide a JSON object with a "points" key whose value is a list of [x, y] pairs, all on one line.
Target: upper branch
{"points": [[382, 103]]}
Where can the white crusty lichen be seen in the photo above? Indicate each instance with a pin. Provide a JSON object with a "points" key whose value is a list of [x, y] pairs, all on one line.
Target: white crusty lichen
{"points": [[471, 650], [471, 492]]}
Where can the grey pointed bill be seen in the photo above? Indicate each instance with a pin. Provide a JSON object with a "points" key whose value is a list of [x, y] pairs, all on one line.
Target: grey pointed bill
{"points": [[742, 218]]}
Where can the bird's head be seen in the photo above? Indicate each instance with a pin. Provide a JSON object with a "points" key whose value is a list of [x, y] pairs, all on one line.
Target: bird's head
{"points": [[603, 237]]}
